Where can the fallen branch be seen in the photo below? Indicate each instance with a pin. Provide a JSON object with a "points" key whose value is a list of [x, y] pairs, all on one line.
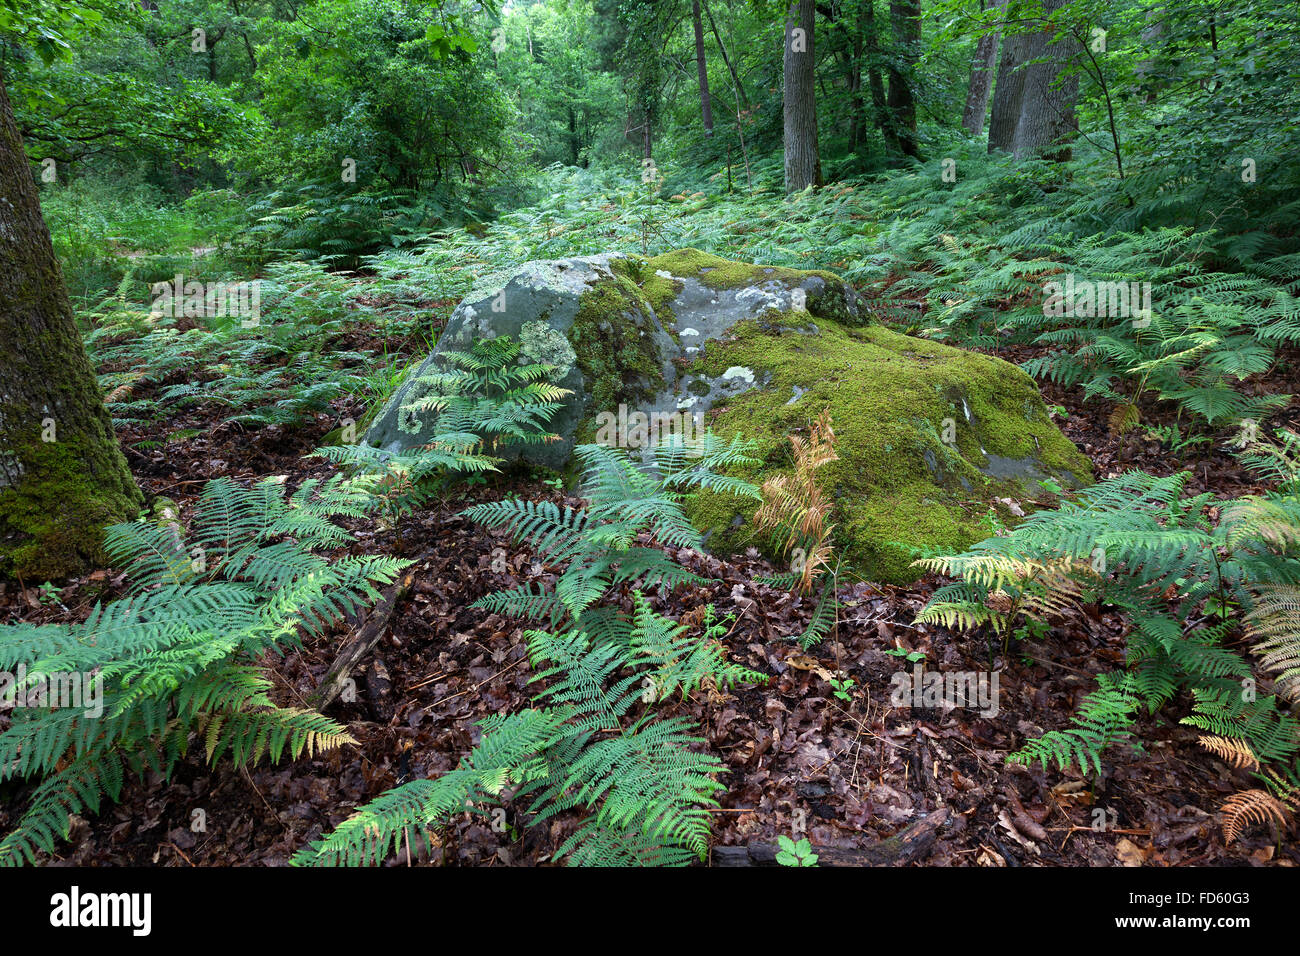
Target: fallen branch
{"points": [[360, 644], [903, 847]]}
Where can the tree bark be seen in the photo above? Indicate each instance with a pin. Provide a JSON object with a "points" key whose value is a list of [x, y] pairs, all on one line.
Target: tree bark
{"points": [[706, 105], [905, 20], [1046, 121], [802, 163], [1008, 93], [981, 78], [62, 474]]}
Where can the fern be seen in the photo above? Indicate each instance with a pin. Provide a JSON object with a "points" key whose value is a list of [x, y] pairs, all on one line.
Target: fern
{"points": [[1104, 719], [591, 743], [1138, 543], [177, 657]]}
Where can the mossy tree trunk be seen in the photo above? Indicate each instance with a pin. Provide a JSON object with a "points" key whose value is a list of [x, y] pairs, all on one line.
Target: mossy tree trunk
{"points": [[62, 474]]}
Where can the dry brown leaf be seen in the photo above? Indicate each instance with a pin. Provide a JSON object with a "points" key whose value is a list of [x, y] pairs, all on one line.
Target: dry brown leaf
{"points": [[1129, 853]]}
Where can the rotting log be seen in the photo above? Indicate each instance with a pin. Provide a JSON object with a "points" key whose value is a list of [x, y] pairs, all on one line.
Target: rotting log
{"points": [[903, 847]]}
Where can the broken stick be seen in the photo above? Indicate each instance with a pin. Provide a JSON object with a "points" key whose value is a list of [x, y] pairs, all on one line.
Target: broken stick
{"points": [[360, 644]]}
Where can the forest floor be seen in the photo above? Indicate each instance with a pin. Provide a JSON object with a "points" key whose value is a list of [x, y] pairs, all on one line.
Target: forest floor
{"points": [[853, 772]]}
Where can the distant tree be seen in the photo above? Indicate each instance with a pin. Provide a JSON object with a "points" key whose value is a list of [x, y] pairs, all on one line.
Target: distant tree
{"points": [[905, 20], [722, 48], [701, 67], [981, 75], [802, 163], [875, 82], [631, 43]]}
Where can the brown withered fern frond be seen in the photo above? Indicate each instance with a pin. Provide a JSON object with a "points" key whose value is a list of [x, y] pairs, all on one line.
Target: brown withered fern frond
{"points": [[1123, 418], [1249, 807], [793, 503], [1274, 625], [1230, 750], [124, 390]]}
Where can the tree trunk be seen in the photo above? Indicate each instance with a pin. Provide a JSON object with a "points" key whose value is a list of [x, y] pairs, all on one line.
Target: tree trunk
{"points": [[1008, 93], [874, 82], [1046, 122], [574, 145], [905, 20], [735, 77], [62, 474], [802, 164], [981, 78], [1153, 32], [857, 107], [706, 105]]}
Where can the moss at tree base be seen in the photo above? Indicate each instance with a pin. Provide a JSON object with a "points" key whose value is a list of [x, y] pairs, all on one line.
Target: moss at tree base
{"points": [[52, 521]]}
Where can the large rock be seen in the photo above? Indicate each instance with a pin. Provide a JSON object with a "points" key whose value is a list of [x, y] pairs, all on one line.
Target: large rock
{"points": [[930, 437]]}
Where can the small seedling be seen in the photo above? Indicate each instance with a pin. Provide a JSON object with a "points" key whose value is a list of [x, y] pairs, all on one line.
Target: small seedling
{"points": [[843, 688], [790, 853]]}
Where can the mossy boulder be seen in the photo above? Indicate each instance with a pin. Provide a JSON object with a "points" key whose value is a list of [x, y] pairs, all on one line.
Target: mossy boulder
{"points": [[929, 436], [582, 315]]}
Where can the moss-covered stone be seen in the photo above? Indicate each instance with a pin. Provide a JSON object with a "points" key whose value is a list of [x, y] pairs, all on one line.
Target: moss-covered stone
{"points": [[826, 294], [930, 437], [587, 316], [719, 273], [614, 339], [894, 399]]}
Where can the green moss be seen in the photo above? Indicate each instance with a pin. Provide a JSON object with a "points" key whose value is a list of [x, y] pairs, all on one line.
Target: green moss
{"points": [[52, 520], [658, 290], [892, 399], [614, 341], [719, 273]]}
